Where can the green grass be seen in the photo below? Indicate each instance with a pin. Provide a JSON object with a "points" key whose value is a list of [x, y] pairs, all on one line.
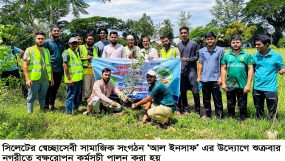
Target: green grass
{"points": [[16, 123]]}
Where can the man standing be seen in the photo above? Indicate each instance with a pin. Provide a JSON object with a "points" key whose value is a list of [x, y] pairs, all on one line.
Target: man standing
{"points": [[237, 73], [148, 52], [267, 65], [209, 74], [14, 70], [73, 73], [87, 52], [113, 50], [131, 51], [159, 103], [168, 50], [189, 52], [103, 33], [38, 72], [102, 90], [55, 47]]}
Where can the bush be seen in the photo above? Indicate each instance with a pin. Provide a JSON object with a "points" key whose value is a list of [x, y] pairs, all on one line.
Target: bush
{"points": [[281, 42]]}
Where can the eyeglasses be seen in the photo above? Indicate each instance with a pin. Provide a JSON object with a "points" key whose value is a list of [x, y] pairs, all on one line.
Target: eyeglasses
{"points": [[102, 33]]}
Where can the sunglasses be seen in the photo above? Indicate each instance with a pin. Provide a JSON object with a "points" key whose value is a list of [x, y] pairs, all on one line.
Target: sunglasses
{"points": [[102, 33]]}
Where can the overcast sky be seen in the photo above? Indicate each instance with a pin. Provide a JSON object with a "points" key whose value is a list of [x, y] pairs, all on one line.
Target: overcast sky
{"points": [[158, 10]]}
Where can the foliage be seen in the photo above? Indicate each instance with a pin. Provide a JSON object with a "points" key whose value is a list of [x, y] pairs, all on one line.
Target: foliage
{"points": [[227, 11], [271, 11], [184, 18], [240, 28], [166, 29], [144, 26], [90, 25], [282, 42]]}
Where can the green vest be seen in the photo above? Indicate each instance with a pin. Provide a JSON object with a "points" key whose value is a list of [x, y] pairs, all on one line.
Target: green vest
{"points": [[35, 66], [74, 67], [84, 54], [171, 53]]}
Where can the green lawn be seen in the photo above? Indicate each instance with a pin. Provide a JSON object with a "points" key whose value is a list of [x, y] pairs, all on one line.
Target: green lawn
{"points": [[16, 123]]}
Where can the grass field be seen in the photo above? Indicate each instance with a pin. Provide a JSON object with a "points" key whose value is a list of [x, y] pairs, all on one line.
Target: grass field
{"points": [[16, 123]]}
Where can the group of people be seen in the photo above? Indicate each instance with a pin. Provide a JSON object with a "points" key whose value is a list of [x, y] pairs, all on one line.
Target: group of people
{"points": [[48, 61]]}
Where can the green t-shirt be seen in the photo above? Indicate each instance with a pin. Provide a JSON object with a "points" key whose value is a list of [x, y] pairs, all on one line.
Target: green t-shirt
{"points": [[161, 96], [237, 67]]}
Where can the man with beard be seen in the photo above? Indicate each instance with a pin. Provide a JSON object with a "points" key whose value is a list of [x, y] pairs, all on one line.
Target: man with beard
{"points": [[148, 52], [87, 52], [131, 51], [189, 53], [267, 65], [103, 33], [38, 72], [168, 50], [236, 74], [209, 74], [73, 73], [159, 103], [102, 90], [113, 50], [55, 47]]}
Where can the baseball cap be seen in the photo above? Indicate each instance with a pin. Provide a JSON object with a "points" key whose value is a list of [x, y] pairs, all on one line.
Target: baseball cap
{"points": [[151, 72], [73, 39]]}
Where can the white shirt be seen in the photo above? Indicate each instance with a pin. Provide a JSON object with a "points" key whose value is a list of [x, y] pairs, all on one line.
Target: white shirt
{"points": [[113, 51]]}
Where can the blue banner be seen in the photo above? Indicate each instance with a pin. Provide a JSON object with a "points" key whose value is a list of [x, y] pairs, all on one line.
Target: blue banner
{"points": [[168, 72]]}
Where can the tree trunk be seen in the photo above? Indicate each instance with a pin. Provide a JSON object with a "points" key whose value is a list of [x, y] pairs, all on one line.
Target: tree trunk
{"points": [[277, 35]]}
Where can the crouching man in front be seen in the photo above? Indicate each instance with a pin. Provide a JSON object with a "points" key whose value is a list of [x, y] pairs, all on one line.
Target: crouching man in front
{"points": [[102, 90], [159, 104]]}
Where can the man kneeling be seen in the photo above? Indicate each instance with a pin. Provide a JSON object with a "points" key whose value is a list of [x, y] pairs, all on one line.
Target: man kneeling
{"points": [[102, 90], [159, 104]]}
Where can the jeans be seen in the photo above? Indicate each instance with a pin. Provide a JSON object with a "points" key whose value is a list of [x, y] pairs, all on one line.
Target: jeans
{"points": [[208, 89], [232, 96], [271, 101], [72, 97], [37, 89], [52, 90]]}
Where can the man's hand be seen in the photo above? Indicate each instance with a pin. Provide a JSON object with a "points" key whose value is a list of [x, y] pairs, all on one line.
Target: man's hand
{"points": [[114, 104], [52, 82], [70, 83], [198, 79], [246, 89], [219, 81], [149, 57], [28, 83], [133, 105], [129, 99], [183, 59], [89, 57], [224, 87]]}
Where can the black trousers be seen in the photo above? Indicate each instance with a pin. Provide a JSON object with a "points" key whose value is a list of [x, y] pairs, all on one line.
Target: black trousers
{"points": [[238, 95], [52, 90], [188, 83], [271, 100], [208, 89]]}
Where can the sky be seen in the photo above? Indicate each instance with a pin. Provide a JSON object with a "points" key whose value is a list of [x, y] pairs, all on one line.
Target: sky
{"points": [[158, 10]]}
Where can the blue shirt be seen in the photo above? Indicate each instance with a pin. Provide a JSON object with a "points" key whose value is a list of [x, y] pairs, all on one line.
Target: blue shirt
{"points": [[161, 96], [101, 46], [266, 69], [211, 61], [55, 48], [10, 57]]}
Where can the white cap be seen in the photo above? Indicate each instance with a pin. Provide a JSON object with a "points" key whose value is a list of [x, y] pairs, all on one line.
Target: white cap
{"points": [[151, 72], [130, 37], [73, 39]]}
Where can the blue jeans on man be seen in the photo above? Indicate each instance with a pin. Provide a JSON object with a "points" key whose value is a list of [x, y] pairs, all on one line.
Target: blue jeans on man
{"points": [[37, 89], [72, 97]]}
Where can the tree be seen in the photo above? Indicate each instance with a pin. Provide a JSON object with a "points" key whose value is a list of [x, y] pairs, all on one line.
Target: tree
{"points": [[184, 18], [90, 25], [227, 11], [144, 26], [240, 28], [166, 29], [270, 11]]}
